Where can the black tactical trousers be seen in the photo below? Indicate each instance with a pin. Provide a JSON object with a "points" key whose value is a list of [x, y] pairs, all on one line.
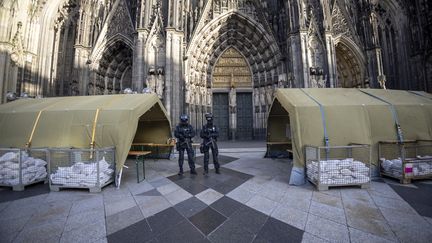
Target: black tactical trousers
{"points": [[215, 152], [191, 156]]}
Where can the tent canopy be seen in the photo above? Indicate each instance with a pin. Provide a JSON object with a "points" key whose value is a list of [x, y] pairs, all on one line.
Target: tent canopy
{"points": [[363, 116], [118, 120]]}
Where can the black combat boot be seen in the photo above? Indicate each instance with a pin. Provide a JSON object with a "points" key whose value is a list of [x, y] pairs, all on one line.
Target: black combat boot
{"points": [[217, 170], [205, 171], [180, 172], [193, 172]]}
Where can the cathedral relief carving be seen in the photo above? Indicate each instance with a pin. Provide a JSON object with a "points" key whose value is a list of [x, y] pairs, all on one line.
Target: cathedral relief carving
{"points": [[316, 54], [121, 22], [155, 49]]}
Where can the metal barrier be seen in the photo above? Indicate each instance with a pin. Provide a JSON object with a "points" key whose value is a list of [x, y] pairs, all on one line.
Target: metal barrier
{"points": [[329, 166], [81, 168], [22, 167]]}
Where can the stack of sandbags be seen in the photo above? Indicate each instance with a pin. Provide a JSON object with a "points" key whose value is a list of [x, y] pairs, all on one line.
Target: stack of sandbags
{"points": [[338, 172], [32, 169], [83, 174], [392, 167]]}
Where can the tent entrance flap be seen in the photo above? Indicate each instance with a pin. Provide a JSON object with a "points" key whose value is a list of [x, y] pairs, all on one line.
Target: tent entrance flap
{"points": [[279, 137]]}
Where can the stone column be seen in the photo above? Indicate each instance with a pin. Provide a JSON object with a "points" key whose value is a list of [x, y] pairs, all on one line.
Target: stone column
{"points": [[331, 59]]}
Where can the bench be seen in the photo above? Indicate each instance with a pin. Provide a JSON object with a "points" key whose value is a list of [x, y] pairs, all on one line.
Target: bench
{"points": [[139, 161], [154, 149]]}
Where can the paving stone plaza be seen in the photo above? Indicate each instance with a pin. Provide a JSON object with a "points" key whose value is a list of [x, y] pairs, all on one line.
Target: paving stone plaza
{"points": [[250, 201]]}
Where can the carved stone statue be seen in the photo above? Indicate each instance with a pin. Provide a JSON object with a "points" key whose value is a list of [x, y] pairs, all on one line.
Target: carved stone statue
{"points": [[269, 95], [262, 96], [209, 97], [160, 85], [256, 97], [232, 99], [187, 94]]}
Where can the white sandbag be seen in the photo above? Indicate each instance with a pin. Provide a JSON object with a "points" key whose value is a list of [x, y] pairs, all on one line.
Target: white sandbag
{"points": [[346, 172], [9, 156], [40, 162]]}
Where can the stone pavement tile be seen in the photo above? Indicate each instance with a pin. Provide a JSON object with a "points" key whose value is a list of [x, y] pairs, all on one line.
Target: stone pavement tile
{"points": [[327, 199], [429, 220], [207, 220], [262, 204], [111, 191], [190, 207], [291, 216], [182, 232], [50, 211], [164, 220], [327, 229], [152, 204], [137, 188], [334, 192], [224, 187], [383, 190], [10, 228], [277, 231], [399, 205], [153, 192], [4, 205], [281, 182], [367, 218], [87, 233], [251, 186], [50, 232], [138, 232], [88, 204], [177, 196], [77, 220], [356, 194], [408, 227], [101, 240], [119, 205], [226, 206], [328, 212], [168, 188], [207, 181], [230, 232], [159, 182], [297, 201], [249, 218], [309, 238], [271, 192], [67, 195], [123, 219], [358, 236], [209, 196]]}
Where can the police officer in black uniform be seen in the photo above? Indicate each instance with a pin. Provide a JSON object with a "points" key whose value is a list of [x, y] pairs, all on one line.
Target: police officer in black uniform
{"points": [[209, 134], [184, 133]]}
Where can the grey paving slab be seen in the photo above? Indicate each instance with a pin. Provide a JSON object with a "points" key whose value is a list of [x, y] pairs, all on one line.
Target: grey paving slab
{"points": [[291, 216], [137, 188], [328, 212], [87, 233], [10, 228], [262, 204], [89, 204], [123, 219], [138, 232], [177, 196], [241, 195], [298, 198], [226, 206], [356, 194], [168, 188], [390, 203], [369, 220], [164, 220], [77, 220], [251, 219], [230, 232], [309, 238], [50, 232], [329, 200], [101, 240], [383, 190], [153, 192], [151, 205], [119, 205], [182, 232], [428, 220], [272, 192], [207, 220], [327, 229], [50, 211], [4, 205], [277, 231], [357, 236], [408, 227], [209, 196], [160, 181], [190, 207]]}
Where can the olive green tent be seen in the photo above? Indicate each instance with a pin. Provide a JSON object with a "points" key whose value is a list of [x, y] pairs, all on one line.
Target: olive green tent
{"points": [[345, 116], [109, 120]]}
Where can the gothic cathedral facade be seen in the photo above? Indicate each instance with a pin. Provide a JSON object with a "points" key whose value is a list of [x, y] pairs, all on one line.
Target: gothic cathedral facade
{"points": [[220, 56]]}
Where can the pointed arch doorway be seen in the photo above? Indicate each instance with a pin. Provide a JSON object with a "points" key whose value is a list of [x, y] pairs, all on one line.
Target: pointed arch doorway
{"points": [[232, 96]]}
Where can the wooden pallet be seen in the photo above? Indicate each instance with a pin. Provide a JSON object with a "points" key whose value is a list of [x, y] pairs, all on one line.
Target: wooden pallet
{"points": [[57, 188], [19, 188]]}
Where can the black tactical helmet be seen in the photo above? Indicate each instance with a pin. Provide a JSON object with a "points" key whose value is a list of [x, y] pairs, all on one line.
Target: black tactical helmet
{"points": [[184, 118], [209, 116]]}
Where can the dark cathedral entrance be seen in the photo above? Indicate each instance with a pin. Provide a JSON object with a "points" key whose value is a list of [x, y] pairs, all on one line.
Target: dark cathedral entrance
{"points": [[221, 114]]}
